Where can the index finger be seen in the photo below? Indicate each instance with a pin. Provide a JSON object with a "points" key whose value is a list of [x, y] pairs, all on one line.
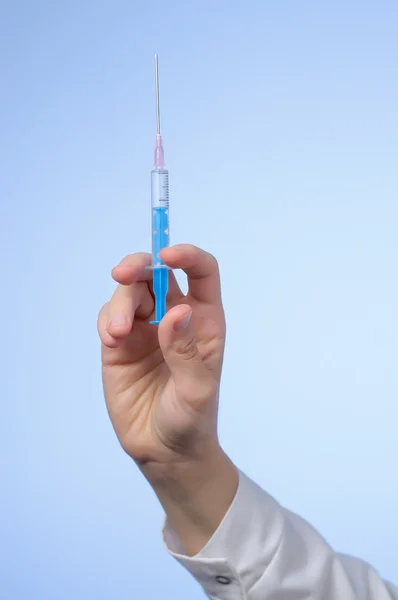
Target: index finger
{"points": [[201, 268], [134, 268]]}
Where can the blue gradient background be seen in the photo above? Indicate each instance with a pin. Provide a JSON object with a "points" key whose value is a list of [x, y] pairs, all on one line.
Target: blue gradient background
{"points": [[281, 126]]}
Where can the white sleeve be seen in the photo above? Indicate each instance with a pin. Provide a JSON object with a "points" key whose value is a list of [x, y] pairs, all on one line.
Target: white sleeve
{"points": [[261, 551]]}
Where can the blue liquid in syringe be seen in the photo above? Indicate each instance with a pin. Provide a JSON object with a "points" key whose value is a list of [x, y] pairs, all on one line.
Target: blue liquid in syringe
{"points": [[160, 238]]}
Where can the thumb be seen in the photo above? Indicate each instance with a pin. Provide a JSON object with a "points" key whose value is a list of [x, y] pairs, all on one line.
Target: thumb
{"points": [[178, 345]]}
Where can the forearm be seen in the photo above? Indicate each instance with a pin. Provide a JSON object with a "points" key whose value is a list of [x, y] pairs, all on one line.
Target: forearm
{"points": [[196, 497], [263, 550]]}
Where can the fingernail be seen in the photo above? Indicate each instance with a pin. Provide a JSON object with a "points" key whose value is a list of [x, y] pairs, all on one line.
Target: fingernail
{"points": [[119, 320], [184, 322]]}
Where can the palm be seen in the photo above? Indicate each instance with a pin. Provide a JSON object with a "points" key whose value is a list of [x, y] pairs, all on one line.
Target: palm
{"points": [[139, 390]]}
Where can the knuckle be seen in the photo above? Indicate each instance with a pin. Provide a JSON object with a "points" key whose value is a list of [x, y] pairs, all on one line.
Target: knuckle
{"points": [[210, 257], [213, 260], [101, 315], [187, 349]]}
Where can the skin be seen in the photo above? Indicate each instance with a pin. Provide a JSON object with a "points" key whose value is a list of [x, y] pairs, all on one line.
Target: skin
{"points": [[161, 387]]}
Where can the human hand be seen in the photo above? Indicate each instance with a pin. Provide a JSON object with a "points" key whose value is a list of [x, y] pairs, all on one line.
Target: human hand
{"points": [[161, 384]]}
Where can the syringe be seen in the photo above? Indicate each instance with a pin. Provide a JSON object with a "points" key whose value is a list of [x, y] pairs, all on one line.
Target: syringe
{"points": [[160, 216]]}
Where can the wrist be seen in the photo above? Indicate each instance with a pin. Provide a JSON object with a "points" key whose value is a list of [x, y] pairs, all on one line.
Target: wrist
{"points": [[196, 496], [185, 471]]}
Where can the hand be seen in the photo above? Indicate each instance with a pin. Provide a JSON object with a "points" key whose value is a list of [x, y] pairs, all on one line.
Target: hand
{"points": [[161, 383]]}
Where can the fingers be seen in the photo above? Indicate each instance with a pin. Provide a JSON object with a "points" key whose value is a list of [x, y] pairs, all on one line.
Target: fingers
{"points": [[201, 269], [178, 345], [132, 297], [116, 318], [132, 269], [102, 323]]}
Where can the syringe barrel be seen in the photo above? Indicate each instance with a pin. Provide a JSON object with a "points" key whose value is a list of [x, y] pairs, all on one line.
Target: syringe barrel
{"points": [[160, 213]]}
